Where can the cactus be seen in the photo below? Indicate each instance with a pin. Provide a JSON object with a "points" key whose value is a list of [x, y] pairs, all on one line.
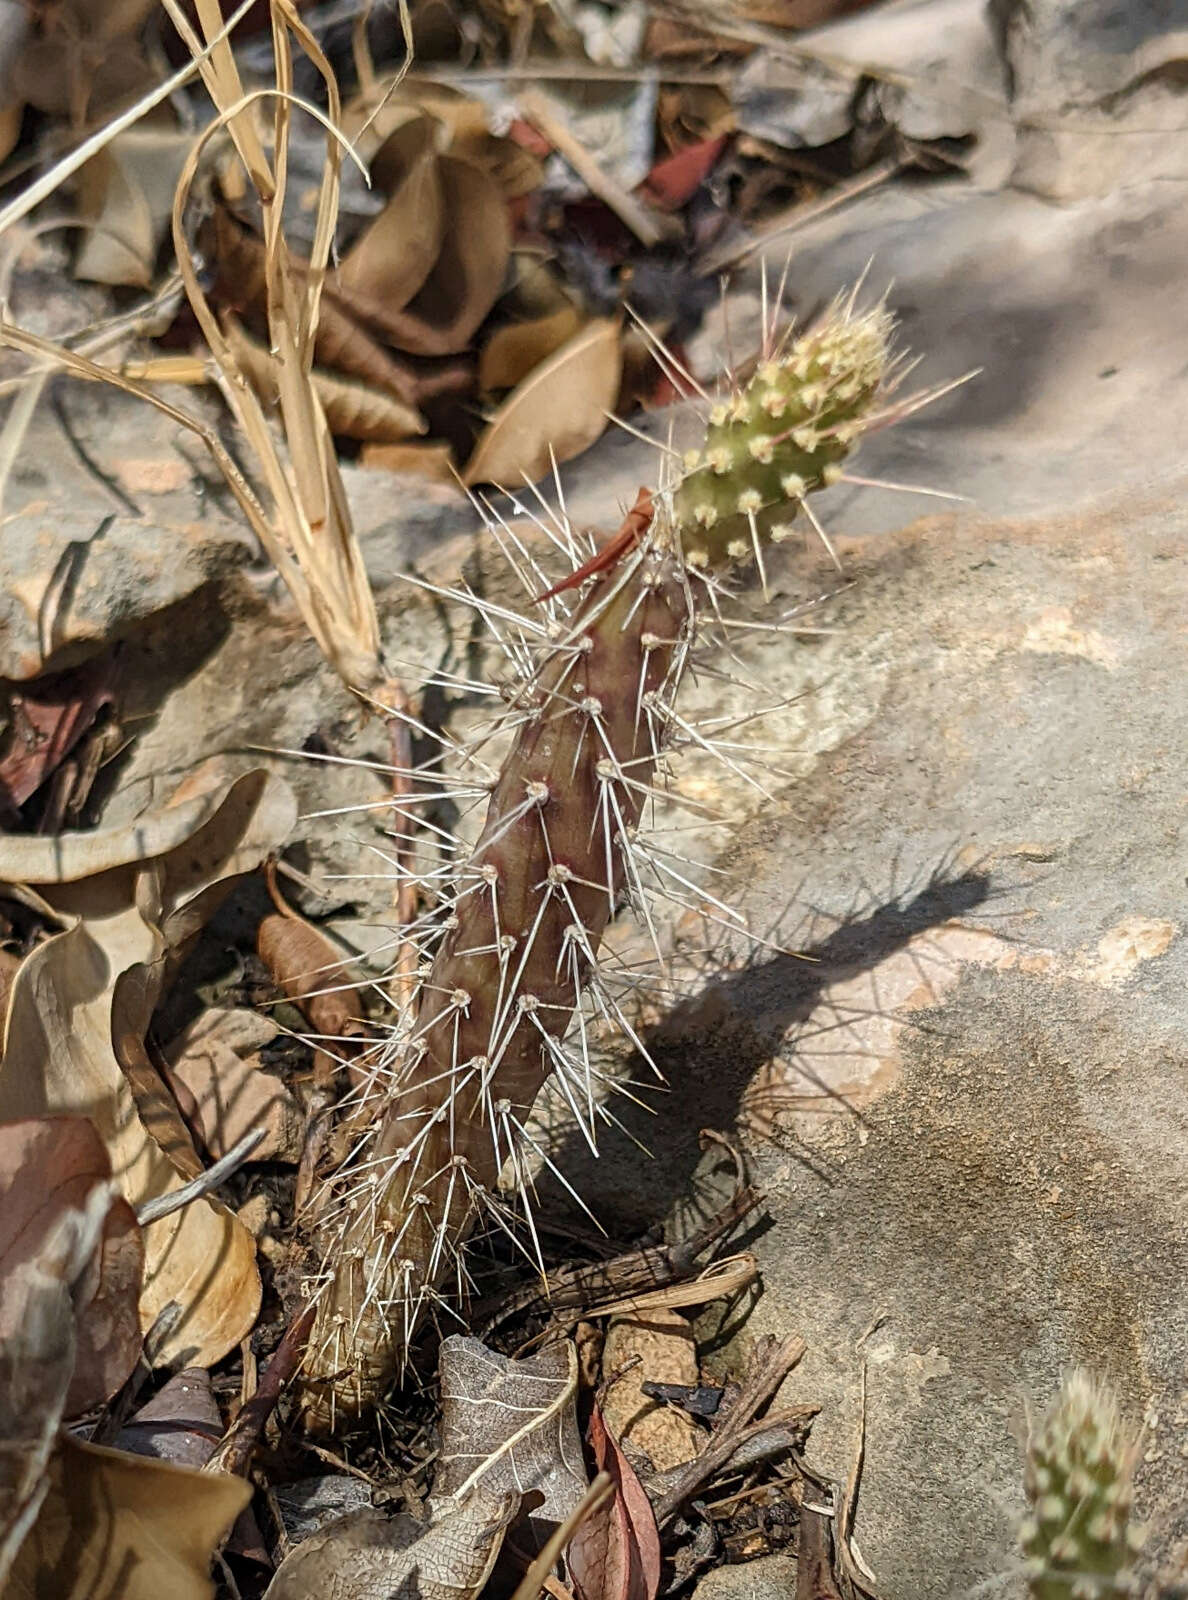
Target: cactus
{"points": [[781, 437], [515, 956], [1077, 1540]]}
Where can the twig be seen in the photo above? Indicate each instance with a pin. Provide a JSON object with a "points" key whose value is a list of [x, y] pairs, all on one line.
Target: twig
{"points": [[855, 1569], [797, 216], [234, 1451], [814, 1557], [647, 227], [164, 1205], [771, 1365], [598, 1288]]}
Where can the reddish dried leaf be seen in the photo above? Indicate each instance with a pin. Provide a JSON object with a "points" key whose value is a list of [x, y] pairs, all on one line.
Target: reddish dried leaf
{"points": [[47, 719], [50, 1166], [312, 971], [615, 1554], [673, 182]]}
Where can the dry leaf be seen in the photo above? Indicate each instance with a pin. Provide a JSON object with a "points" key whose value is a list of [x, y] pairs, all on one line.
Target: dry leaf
{"points": [[371, 118], [353, 410], [516, 170], [181, 1423], [673, 182], [356, 411], [11, 118], [341, 341], [507, 1428], [469, 272], [510, 1425], [558, 411], [9, 964], [658, 1347], [46, 719], [85, 62], [615, 1553], [37, 1359], [394, 255], [373, 1555], [125, 193], [124, 1528], [225, 1093], [433, 462], [50, 1167], [513, 351], [311, 970], [138, 892]]}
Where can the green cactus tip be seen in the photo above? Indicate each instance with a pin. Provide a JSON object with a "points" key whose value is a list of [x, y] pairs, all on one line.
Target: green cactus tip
{"points": [[782, 435], [1077, 1539]]}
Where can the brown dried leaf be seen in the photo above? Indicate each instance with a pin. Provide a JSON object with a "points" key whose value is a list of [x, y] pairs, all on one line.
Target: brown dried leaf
{"points": [[124, 1527], [341, 342], [468, 274], [353, 410], [125, 193], [434, 462], [513, 351], [138, 893], [516, 170], [48, 1167], [394, 255], [9, 965], [37, 1363], [373, 1555], [225, 1094], [561, 408], [371, 117], [311, 970], [58, 1057], [615, 1553], [11, 118], [181, 1423]]}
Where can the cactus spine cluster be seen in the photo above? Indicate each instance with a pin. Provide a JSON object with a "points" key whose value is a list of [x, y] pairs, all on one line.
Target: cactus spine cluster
{"points": [[515, 958], [1077, 1539]]}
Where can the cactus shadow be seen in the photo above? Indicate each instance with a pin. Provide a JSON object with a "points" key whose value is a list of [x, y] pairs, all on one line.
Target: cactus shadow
{"points": [[708, 1049]]}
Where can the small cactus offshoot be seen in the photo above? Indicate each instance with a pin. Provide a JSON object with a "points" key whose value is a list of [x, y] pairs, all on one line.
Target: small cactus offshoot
{"points": [[780, 437], [510, 981], [1077, 1539]]}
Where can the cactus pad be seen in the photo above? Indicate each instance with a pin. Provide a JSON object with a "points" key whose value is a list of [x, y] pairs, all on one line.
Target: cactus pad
{"points": [[781, 436], [1077, 1539]]}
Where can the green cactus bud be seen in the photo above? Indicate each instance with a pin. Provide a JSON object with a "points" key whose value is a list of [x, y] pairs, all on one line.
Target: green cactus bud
{"points": [[782, 436], [1079, 1465]]}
